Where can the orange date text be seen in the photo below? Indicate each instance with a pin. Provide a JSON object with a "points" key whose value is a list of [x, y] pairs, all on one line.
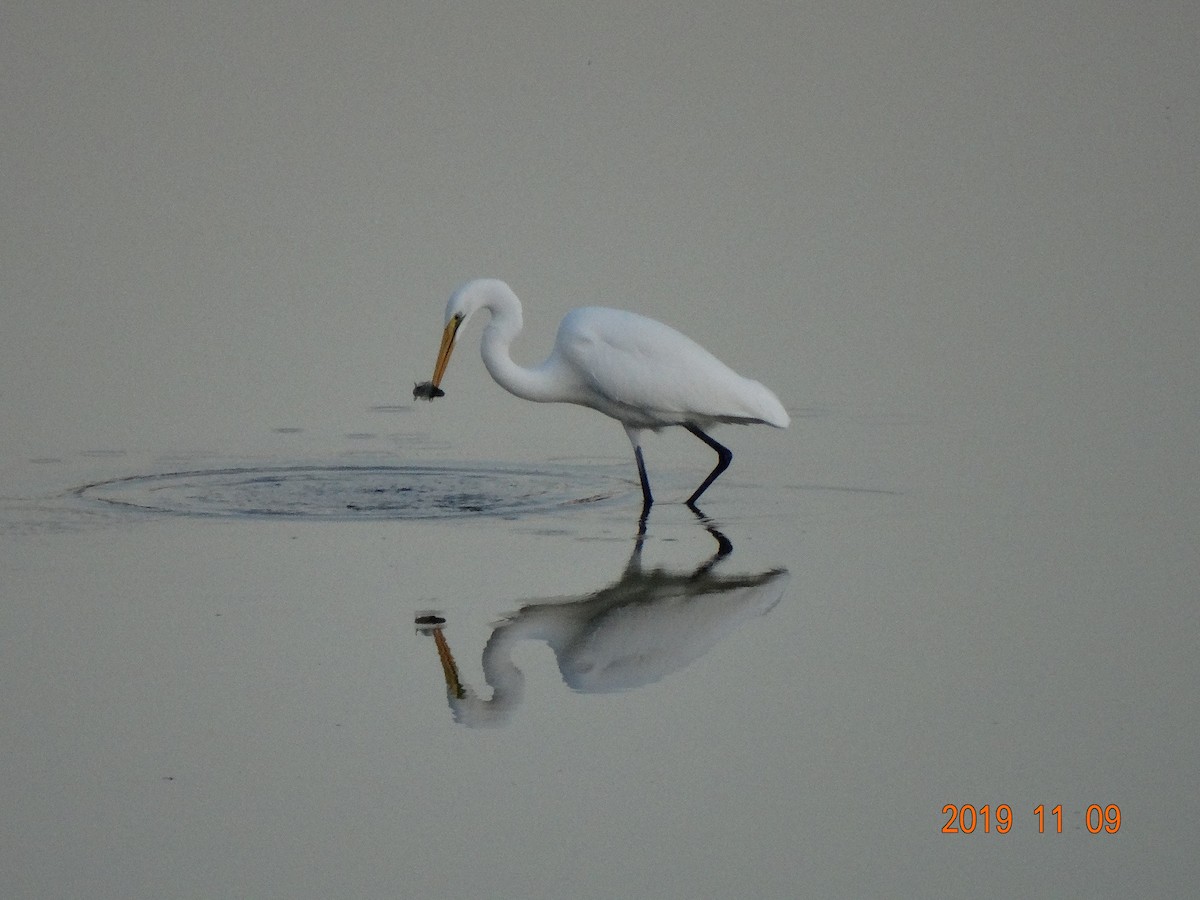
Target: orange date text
{"points": [[970, 819]]}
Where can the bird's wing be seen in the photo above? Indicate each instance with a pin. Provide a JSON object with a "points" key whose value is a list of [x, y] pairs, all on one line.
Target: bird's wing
{"points": [[647, 374]]}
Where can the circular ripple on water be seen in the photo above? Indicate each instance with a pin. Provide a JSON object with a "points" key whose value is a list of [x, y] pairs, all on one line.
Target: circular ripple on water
{"points": [[355, 492]]}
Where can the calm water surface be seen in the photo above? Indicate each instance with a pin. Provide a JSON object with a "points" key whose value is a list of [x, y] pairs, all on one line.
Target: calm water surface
{"points": [[246, 703]]}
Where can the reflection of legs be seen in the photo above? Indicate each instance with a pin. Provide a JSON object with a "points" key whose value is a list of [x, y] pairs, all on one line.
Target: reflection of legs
{"points": [[724, 457], [724, 545]]}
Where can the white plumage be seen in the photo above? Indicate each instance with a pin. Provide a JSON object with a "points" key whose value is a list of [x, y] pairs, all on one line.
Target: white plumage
{"points": [[642, 373]]}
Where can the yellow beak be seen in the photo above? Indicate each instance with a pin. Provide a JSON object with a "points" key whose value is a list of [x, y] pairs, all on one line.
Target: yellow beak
{"points": [[443, 357]]}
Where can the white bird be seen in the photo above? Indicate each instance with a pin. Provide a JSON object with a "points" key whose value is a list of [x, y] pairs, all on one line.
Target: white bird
{"points": [[642, 373]]}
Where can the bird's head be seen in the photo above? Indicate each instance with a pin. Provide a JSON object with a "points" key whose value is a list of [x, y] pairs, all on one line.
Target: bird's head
{"points": [[463, 303]]}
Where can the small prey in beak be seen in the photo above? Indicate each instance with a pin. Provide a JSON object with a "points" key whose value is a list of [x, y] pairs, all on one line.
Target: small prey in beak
{"points": [[427, 390]]}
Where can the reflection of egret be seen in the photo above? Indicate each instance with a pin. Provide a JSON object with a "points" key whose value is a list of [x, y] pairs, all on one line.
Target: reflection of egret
{"points": [[640, 372], [636, 631]]}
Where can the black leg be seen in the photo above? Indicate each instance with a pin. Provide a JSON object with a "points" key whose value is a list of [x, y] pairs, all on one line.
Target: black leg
{"points": [[724, 457], [647, 497]]}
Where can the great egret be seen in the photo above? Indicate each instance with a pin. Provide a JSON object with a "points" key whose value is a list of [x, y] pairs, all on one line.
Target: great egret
{"points": [[642, 373]]}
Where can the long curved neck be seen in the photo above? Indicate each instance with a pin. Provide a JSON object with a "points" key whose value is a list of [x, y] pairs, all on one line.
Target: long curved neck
{"points": [[537, 384]]}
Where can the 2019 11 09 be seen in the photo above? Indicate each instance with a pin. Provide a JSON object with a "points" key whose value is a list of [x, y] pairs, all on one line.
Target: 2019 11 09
{"points": [[970, 819]]}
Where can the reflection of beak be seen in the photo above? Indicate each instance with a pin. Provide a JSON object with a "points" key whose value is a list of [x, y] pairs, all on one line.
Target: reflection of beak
{"points": [[443, 356], [449, 668]]}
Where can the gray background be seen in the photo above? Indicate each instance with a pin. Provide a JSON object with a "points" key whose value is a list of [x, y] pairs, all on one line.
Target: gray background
{"points": [[959, 241]]}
